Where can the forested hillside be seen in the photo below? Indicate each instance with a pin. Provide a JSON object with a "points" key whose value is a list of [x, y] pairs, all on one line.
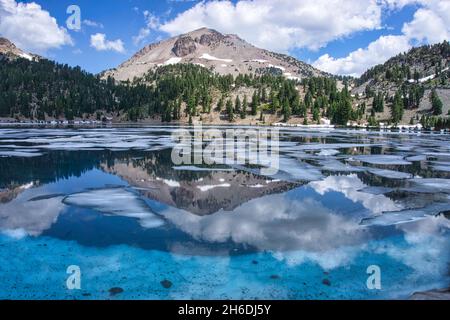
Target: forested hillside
{"points": [[187, 93], [39, 90], [412, 87]]}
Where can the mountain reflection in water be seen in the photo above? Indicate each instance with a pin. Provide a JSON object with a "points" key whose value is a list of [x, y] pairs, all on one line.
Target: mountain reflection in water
{"points": [[340, 198]]}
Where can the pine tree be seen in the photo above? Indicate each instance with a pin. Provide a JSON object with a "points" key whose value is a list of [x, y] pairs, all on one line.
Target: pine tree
{"points": [[244, 108], [436, 103], [230, 111], [275, 105], [286, 111], [255, 103], [237, 105], [397, 108], [220, 104]]}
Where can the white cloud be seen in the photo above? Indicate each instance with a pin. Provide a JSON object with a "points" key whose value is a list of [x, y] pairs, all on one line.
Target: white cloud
{"points": [[30, 27], [281, 25], [93, 24], [358, 61], [430, 24], [151, 23], [99, 42]]}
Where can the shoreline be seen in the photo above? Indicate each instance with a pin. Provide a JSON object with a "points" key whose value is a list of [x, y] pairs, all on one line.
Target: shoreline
{"points": [[96, 123]]}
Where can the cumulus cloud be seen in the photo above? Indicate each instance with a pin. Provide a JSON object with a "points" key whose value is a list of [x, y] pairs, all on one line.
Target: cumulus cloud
{"points": [[100, 43], [430, 24], [30, 27], [281, 25], [358, 61]]}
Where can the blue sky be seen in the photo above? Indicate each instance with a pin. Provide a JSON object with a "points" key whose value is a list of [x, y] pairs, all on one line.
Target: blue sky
{"points": [[344, 37]]}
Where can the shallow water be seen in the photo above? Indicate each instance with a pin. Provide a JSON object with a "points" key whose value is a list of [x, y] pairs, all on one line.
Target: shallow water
{"points": [[110, 201]]}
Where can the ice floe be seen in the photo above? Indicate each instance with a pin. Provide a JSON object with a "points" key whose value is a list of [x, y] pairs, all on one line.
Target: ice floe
{"points": [[116, 201], [442, 185], [390, 174], [405, 216], [415, 158], [338, 166], [328, 152], [295, 170], [22, 154], [382, 159]]}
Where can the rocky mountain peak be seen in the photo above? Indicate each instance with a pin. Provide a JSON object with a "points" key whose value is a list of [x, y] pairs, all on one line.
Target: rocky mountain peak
{"points": [[221, 53], [184, 46]]}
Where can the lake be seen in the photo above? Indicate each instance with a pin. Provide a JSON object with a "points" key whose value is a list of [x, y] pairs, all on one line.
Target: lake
{"points": [[110, 202]]}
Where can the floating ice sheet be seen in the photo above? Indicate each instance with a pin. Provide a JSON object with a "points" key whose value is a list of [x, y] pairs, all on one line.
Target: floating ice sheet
{"points": [[376, 190], [23, 154], [338, 166], [297, 170], [445, 168], [383, 159], [328, 152], [405, 216], [390, 174], [116, 201], [442, 185], [415, 158]]}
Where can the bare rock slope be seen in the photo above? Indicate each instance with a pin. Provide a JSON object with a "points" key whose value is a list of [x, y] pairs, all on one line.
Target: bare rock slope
{"points": [[224, 54], [10, 51]]}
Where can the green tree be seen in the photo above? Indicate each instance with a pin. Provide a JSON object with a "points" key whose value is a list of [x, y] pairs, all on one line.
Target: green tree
{"points": [[436, 103], [230, 111], [244, 108], [397, 108]]}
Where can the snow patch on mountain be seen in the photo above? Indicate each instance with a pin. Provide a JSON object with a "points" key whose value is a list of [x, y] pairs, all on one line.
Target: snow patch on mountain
{"points": [[210, 57]]}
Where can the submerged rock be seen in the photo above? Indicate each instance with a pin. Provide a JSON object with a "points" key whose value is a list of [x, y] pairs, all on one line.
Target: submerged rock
{"points": [[166, 284], [115, 291]]}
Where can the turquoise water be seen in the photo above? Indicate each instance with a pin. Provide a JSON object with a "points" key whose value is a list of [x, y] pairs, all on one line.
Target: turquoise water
{"points": [[111, 202]]}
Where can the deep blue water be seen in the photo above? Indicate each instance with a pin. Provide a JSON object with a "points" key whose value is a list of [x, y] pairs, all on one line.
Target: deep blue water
{"points": [[111, 202]]}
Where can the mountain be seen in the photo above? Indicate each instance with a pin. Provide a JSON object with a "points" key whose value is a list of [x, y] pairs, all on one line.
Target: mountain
{"points": [[10, 51], [223, 54], [176, 90], [413, 76], [420, 64]]}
